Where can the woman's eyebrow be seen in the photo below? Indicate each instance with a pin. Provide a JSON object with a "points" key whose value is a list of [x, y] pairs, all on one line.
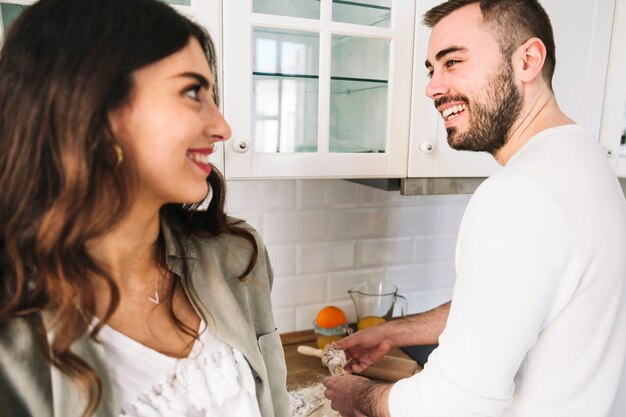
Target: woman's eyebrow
{"points": [[204, 82]]}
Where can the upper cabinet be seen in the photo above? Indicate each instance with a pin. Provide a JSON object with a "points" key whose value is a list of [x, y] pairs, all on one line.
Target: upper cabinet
{"points": [[317, 88], [582, 31], [613, 131]]}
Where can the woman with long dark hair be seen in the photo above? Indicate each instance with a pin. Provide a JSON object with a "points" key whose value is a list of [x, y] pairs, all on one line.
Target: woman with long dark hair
{"points": [[124, 287]]}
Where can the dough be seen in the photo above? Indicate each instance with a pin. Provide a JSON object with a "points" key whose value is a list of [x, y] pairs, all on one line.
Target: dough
{"points": [[334, 359]]}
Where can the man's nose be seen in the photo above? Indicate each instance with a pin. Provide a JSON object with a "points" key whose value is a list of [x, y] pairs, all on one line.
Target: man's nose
{"points": [[437, 86]]}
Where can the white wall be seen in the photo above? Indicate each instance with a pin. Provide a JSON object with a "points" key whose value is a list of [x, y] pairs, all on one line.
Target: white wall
{"points": [[324, 236]]}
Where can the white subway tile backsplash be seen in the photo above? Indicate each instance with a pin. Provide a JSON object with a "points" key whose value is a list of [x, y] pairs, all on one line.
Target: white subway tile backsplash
{"points": [[422, 277], [259, 196], [325, 236], [450, 217], [358, 223], [295, 226], [291, 292], [435, 248], [306, 314], [323, 257], [314, 194], [372, 197], [411, 221], [443, 200], [388, 251], [340, 283], [285, 319], [426, 300], [283, 259]]}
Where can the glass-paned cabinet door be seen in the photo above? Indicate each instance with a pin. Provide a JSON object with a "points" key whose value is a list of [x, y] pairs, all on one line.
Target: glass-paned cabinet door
{"points": [[285, 84], [317, 88], [369, 13], [358, 94], [9, 11]]}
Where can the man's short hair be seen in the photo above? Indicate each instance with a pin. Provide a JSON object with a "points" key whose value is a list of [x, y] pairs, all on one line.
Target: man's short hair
{"points": [[514, 22]]}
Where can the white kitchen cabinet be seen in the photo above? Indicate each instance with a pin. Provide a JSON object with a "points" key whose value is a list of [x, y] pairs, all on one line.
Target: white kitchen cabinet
{"points": [[582, 31], [613, 131], [317, 88]]}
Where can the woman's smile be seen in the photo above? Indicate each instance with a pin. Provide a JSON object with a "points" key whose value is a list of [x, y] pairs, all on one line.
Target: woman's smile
{"points": [[201, 157]]}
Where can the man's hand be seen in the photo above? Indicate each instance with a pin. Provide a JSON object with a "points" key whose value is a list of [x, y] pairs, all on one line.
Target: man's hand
{"points": [[365, 347], [355, 396]]}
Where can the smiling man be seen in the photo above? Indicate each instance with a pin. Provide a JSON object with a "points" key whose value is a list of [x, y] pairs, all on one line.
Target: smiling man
{"points": [[537, 323]]}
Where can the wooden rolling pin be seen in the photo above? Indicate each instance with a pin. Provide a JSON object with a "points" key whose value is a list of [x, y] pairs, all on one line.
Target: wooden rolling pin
{"points": [[389, 368]]}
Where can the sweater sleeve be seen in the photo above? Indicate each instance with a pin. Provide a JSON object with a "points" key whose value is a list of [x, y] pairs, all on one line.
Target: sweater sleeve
{"points": [[515, 269]]}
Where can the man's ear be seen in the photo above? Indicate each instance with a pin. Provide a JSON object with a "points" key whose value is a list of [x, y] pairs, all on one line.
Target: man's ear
{"points": [[530, 56]]}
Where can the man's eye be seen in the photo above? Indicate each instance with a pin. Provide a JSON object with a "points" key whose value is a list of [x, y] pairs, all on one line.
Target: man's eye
{"points": [[451, 62], [193, 92], [430, 73]]}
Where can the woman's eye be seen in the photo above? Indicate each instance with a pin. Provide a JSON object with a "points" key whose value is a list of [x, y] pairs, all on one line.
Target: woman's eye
{"points": [[193, 92]]}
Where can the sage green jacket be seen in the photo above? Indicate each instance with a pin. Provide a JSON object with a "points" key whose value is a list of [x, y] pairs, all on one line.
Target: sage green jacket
{"points": [[238, 312]]}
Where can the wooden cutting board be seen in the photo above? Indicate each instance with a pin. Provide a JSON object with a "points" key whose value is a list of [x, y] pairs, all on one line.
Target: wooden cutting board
{"points": [[389, 368], [306, 370]]}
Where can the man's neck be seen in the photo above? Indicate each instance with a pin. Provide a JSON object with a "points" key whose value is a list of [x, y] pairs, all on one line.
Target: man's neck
{"points": [[543, 113]]}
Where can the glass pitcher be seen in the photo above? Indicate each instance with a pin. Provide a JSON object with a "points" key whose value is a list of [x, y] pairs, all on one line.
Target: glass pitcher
{"points": [[374, 302]]}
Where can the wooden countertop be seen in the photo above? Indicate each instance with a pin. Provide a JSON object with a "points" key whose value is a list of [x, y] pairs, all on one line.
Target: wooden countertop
{"points": [[304, 370]]}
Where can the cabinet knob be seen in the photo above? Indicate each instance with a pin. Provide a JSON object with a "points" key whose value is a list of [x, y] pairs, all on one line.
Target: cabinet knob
{"points": [[426, 147], [241, 145]]}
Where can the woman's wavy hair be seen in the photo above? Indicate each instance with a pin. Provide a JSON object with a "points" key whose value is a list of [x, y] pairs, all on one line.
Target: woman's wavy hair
{"points": [[64, 67]]}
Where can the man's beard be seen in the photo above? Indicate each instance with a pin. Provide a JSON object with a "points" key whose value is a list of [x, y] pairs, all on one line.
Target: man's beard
{"points": [[490, 120]]}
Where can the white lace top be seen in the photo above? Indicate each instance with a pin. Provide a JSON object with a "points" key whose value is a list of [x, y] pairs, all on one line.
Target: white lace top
{"points": [[214, 380]]}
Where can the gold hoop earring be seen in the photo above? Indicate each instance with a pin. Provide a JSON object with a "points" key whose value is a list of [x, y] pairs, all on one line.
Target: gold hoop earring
{"points": [[119, 153]]}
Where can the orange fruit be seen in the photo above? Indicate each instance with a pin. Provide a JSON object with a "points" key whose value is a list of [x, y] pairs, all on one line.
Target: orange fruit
{"points": [[330, 316]]}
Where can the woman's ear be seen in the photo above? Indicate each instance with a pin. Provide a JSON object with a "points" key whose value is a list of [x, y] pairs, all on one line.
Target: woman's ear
{"points": [[531, 56]]}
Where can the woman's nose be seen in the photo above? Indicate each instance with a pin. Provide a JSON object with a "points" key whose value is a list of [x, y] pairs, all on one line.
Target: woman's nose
{"points": [[217, 127]]}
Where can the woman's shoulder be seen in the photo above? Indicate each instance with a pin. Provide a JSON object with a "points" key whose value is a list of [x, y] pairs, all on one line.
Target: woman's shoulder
{"points": [[230, 240], [231, 251]]}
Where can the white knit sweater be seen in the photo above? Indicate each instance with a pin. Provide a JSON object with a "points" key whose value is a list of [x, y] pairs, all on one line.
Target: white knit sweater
{"points": [[537, 326]]}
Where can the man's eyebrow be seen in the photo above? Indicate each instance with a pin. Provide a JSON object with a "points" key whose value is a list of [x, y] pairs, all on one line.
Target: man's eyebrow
{"points": [[202, 80], [445, 52]]}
